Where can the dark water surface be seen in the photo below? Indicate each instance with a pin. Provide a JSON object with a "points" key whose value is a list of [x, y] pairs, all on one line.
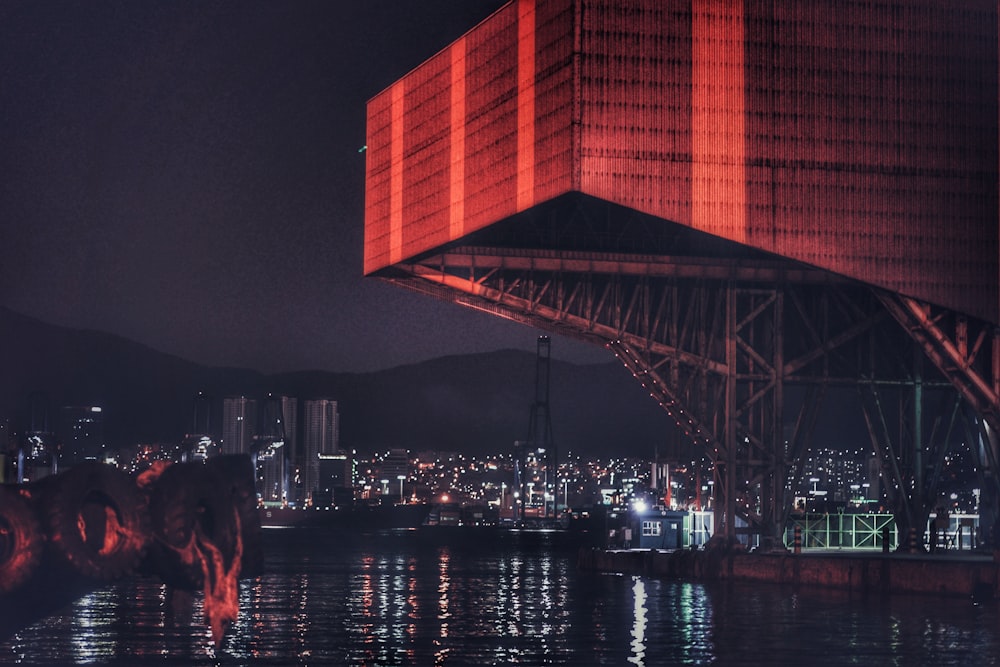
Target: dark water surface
{"points": [[405, 598]]}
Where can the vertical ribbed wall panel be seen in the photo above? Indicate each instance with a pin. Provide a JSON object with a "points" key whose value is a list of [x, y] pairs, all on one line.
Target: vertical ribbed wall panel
{"points": [[857, 137], [378, 181], [426, 156], [873, 134], [554, 94], [491, 143], [478, 132], [635, 88]]}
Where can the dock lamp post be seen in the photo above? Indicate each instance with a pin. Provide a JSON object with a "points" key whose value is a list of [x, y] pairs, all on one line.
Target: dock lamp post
{"points": [[385, 487], [401, 478]]}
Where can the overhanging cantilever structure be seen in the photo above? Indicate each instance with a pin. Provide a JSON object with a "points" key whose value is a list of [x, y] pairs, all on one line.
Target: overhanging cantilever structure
{"points": [[733, 196]]}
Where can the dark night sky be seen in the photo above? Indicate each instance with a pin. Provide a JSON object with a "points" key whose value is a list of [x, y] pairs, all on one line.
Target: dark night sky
{"points": [[187, 175]]}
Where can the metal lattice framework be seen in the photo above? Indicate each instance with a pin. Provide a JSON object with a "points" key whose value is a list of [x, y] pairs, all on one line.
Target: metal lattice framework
{"points": [[850, 531], [718, 343]]}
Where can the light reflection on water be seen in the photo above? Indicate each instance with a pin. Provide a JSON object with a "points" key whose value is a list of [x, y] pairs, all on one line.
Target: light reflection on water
{"points": [[395, 599], [638, 656]]}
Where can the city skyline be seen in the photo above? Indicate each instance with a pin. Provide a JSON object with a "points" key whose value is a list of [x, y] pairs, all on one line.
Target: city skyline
{"points": [[829, 480]]}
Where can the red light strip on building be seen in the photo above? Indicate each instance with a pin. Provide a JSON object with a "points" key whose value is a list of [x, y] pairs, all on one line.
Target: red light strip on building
{"points": [[396, 175], [525, 104], [456, 209], [718, 112]]}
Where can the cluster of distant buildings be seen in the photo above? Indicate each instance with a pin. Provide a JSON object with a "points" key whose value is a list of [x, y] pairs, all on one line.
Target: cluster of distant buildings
{"points": [[50, 441], [295, 444], [299, 462]]}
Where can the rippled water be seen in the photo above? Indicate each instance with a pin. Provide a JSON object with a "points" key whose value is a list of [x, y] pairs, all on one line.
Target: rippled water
{"points": [[401, 599]]}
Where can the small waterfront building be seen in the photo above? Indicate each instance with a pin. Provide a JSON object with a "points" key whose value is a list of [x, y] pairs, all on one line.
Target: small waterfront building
{"points": [[659, 528]]}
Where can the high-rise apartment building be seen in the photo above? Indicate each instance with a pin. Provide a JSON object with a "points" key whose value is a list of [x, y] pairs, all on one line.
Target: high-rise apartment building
{"points": [[201, 415], [239, 424], [321, 435], [81, 430], [289, 410], [336, 480], [201, 441], [274, 447]]}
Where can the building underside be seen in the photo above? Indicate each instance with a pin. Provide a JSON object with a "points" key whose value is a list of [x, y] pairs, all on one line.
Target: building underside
{"points": [[740, 348]]}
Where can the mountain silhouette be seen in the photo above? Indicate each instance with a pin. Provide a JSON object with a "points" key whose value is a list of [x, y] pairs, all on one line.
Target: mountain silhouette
{"points": [[474, 404]]}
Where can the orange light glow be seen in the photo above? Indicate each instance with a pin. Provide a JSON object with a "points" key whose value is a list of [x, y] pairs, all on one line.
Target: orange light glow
{"points": [[148, 476], [222, 591], [114, 532], [221, 580]]}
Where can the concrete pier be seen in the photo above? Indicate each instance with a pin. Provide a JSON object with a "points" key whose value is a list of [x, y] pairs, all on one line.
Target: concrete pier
{"points": [[946, 573]]}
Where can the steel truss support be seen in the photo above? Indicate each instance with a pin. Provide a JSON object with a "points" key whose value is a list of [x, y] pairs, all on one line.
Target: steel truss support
{"points": [[965, 351], [911, 457], [719, 343]]}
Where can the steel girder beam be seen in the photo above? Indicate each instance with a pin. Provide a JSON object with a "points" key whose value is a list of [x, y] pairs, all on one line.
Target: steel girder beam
{"points": [[964, 350], [714, 341]]}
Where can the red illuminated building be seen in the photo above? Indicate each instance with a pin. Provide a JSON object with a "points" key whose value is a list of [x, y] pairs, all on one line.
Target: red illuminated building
{"points": [[732, 196]]}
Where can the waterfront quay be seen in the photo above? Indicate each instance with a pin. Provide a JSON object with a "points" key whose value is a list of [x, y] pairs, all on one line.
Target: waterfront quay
{"points": [[952, 573]]}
